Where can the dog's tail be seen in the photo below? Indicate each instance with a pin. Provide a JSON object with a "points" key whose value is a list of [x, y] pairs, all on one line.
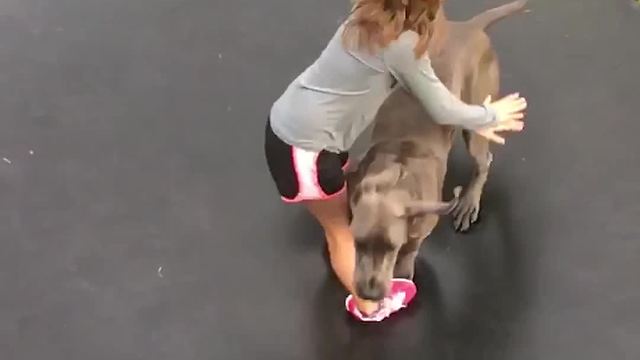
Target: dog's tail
{"points": [[439, 208], [491, 16]]}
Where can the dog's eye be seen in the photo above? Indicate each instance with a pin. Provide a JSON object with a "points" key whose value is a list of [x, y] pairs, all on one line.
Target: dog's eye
{"points": [[385, 246], [374, 244], [362, 245]]}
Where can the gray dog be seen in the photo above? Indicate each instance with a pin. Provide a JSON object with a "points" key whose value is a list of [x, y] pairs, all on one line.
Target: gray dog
{"points": [[395, 193]]}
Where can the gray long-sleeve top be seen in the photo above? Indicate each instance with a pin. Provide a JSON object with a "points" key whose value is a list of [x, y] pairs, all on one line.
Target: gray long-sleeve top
{"points": [[336, 98]]}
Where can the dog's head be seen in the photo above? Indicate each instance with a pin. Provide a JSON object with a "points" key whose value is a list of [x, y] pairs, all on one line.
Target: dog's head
{"points": [[381, 214]]}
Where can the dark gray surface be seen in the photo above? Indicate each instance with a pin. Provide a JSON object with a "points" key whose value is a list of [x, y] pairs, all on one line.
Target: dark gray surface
{"points": [[146, 119]]}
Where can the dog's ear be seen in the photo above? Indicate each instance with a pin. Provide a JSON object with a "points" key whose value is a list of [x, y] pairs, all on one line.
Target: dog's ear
{"points": [[419, 208], [364, 213]]}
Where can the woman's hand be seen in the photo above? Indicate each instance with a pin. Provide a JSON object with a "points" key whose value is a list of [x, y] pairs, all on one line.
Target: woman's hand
{"points": [[509, 113]]}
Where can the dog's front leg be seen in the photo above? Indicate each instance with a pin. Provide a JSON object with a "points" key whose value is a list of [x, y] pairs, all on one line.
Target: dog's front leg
{"points": [[406, 262], [468, 209]]}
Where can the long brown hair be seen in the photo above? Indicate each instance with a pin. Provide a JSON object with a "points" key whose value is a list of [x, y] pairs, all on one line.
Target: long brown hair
{"points": [[373, 24]]}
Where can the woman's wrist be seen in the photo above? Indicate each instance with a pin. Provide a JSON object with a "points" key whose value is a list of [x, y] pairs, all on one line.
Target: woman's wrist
{"points": [[492, 116]]}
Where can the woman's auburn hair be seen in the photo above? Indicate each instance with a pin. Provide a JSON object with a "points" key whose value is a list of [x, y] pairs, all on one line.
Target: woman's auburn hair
{"points": [[373, 24]]}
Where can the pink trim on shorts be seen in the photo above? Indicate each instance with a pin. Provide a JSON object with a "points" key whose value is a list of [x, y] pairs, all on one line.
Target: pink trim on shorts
{"points": [[346, 165], [305, 167]]}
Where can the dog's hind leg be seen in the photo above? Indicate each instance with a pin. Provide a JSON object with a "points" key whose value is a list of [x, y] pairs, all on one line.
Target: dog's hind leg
{"points": [[485, 82]]}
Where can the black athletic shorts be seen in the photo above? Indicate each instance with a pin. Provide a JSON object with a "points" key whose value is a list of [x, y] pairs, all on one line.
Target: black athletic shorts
{"points": [[301, 174]]}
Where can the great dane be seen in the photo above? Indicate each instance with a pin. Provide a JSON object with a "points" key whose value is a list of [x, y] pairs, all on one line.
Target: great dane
{"points": [[395, 193]]}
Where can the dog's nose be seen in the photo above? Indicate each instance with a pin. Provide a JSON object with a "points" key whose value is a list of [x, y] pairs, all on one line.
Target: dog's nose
{"points": [[370, 289]]}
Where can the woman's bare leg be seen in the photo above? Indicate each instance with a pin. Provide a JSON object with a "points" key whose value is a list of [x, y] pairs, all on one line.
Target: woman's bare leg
{"points": [[334, 219]]}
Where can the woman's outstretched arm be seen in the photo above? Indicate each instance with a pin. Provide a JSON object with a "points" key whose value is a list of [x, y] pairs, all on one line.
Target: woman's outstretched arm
{"points": [[417, 76]]}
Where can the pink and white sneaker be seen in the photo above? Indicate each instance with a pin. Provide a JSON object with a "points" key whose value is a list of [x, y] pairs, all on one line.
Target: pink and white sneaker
{"points": [[401, 294]]}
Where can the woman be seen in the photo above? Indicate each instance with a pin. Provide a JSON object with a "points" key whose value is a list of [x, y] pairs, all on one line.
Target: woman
{"points": [[316, 120]]}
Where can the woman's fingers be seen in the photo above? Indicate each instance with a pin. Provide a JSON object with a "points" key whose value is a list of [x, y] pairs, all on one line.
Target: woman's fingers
{"points": [[509, 99], [490, 135], [513, 125], [517, 125], [518, 105], [508, 108], [509, 112], [493, 137], [512, 105], [504, 118]]}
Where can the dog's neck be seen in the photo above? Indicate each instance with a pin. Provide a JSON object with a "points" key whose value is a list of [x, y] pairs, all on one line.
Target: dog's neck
{"points": [[440, 33]]}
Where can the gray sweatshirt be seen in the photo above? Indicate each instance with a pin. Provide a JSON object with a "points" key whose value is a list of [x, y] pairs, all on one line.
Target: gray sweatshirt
{"points": [[336, 98]]}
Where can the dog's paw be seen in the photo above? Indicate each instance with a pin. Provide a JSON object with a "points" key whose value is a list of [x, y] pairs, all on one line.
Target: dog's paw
{"points": [[467, 212]]}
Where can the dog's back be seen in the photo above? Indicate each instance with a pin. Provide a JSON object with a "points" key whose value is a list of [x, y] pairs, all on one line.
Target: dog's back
{"points": [[403, 125], [464, 60]]}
